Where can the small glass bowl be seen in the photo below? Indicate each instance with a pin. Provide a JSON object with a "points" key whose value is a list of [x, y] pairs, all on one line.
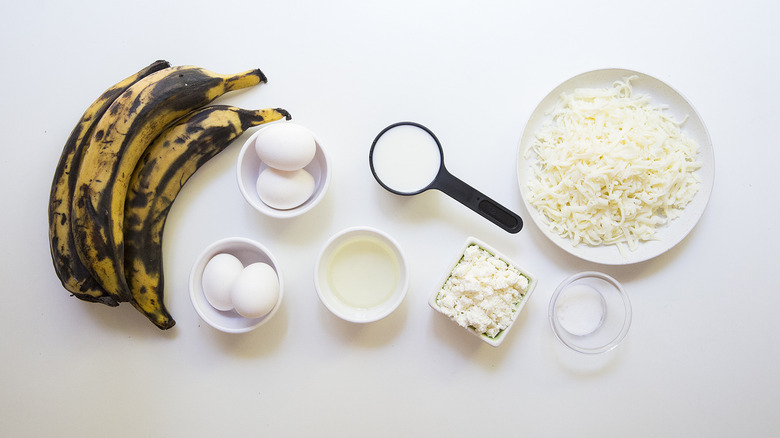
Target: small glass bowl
{"points": [[250, 165], [590, 312]]}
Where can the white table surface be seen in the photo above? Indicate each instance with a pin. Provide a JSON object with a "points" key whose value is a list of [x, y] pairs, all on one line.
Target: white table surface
{"points": [[702, 354]]}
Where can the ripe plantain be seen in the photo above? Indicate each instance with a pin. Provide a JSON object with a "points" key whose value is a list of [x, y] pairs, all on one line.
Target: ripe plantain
{"points": [[135, 118], [74, 276], [163, 169]]}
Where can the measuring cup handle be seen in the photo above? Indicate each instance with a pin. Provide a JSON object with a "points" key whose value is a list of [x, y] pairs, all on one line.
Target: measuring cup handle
{"points": [[477, 201]]}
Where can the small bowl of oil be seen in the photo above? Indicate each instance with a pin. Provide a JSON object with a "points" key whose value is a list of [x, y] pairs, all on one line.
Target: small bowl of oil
{"points": [[361, 275]]}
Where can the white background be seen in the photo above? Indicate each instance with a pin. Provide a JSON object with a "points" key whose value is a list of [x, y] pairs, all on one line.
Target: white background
{"points": [[701, 356]]}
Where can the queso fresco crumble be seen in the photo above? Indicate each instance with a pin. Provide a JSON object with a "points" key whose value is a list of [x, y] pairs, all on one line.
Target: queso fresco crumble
{"points": [[482, 292]]}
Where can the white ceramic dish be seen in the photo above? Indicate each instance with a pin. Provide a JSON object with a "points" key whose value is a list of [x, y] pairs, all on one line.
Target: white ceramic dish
{"points": [[339, 307], [248, 252], [250, 165], [679, 108], [499, 338]]}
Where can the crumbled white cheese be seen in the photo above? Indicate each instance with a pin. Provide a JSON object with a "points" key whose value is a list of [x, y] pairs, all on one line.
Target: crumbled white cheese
{"points": [[611, 167], [482, 292]]}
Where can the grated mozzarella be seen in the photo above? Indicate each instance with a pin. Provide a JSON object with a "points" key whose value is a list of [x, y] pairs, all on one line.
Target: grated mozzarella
{"points": [[611, 167]]}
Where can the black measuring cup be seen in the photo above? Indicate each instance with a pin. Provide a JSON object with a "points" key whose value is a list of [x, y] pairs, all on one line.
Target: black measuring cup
{"points": [[406, 158]]}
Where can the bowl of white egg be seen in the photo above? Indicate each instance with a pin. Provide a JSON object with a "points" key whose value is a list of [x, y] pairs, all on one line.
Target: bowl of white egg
{"points": [[283, 170], [236, 285]]}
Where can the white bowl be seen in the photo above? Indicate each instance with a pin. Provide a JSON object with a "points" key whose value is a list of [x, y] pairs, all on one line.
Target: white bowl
{"points": [[590, 312], [248, 252], [250, 165], [499, 338], [334, 300]]}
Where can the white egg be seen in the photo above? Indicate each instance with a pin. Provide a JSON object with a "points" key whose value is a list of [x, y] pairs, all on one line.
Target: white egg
{"points": [[255, 291], [219, 275], [285, 146], [284, 190]]}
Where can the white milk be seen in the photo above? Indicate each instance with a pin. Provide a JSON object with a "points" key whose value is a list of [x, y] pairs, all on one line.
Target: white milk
{"points": [[363, 272], [580, 310], [406, 158]]}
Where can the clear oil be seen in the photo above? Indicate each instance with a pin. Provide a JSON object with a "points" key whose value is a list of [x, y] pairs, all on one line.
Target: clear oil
{"points": [[363, 272]]}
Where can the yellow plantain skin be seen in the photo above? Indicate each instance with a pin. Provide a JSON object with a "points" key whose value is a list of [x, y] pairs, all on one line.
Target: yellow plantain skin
{"points": [[162, 171], [139, 115], [73, 275]]}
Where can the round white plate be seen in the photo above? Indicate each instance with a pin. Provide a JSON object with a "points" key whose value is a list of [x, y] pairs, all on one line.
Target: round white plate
{"points": [[679, 108]]}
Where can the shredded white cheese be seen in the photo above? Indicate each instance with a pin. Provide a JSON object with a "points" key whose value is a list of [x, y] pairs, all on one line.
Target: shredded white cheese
{"points": [[610, 167], [482, 292]]}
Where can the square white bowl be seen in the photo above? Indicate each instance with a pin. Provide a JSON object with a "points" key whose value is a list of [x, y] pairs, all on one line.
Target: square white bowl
{"points": [[499, 338]]}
